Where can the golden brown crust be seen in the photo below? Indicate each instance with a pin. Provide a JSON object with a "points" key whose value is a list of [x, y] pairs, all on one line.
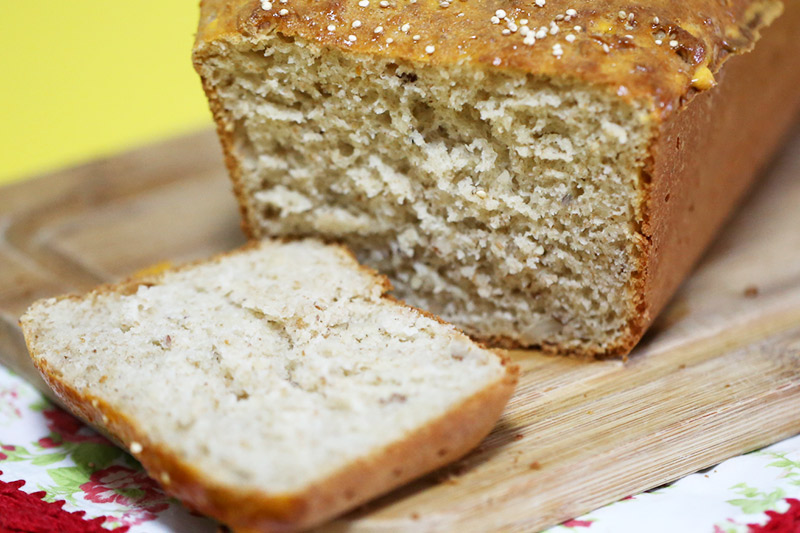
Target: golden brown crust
{"points": [[612, 50], [706, 156], [442, 441]]}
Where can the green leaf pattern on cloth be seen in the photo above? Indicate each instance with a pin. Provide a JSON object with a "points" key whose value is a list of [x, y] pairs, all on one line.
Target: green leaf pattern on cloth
{"points": [[755, 501]]}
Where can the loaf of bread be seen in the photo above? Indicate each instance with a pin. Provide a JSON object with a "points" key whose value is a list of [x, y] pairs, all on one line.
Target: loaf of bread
{"points": [[540, 173], [271, 388]]}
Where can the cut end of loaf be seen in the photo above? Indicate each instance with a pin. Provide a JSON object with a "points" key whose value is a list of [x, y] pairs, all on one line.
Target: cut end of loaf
{"points": [[509, 204], [276, 385]]}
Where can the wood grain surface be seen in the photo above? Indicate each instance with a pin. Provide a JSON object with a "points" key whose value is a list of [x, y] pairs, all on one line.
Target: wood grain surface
{"points": [[718, 374]]}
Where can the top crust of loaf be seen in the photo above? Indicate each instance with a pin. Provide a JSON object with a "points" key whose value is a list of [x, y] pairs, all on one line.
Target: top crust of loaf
{"points": [[662, 51]]}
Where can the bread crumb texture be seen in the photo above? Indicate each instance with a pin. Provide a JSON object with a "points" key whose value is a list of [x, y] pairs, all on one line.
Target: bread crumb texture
{"points": [[507, 203], [269, 369]]}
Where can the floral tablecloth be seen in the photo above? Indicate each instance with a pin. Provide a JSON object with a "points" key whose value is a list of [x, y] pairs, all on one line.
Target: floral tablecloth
{"points": [[61, 460]]}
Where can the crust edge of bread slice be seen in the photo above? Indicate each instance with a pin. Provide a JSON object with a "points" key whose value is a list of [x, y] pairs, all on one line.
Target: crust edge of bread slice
{"points": [[421, 451], [363, 480]]}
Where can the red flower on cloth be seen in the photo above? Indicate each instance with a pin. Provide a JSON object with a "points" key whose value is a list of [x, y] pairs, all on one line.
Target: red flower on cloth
{"points": [[577, 523], [129, 488], [28, 513], [67, 428], [788, 522], [7, 448]]}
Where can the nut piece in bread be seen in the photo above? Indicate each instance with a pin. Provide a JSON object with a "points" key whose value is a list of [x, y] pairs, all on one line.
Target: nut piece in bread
{"points": [[538, 173], [272, 388]]}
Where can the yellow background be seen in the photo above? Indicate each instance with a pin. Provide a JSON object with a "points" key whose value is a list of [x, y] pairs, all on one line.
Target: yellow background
{"points": [[85, 78]]}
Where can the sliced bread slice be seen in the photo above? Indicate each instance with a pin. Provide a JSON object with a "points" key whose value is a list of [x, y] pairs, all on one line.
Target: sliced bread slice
{"points": [[271, 388]]}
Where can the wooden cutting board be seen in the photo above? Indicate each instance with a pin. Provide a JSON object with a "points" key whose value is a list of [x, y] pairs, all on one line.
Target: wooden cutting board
{"points": [[718, 375]]}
